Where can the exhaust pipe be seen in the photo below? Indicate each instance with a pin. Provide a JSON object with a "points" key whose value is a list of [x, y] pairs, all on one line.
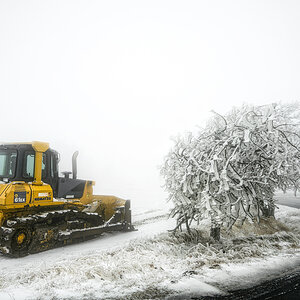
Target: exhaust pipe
{"points": [[74, 164]]}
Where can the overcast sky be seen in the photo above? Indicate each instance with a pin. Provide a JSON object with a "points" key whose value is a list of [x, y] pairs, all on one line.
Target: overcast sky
{"points": [[116, 79]]}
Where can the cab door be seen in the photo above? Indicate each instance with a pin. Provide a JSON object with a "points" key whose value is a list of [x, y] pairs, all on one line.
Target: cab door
{"points": [[51, 172]]}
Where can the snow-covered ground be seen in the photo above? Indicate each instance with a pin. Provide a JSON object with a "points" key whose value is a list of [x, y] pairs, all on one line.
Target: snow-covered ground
{"points": [[153, 263]]}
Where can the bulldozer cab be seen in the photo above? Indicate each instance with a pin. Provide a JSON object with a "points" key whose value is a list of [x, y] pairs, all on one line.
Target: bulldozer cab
{"points": [[17, 163]]}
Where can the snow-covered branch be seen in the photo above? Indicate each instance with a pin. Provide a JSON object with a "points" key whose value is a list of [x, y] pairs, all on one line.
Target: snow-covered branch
{"points": [[231, 168]]}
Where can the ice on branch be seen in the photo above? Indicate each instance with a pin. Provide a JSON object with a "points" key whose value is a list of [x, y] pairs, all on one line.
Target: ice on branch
{"points": [[231, 168]]}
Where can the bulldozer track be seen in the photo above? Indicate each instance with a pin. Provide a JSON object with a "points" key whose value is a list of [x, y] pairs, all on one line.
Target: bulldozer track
{"points": [[34, 233]]}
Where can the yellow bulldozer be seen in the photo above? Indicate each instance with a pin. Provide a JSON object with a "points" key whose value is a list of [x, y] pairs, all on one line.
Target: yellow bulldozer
{"points": [[40, 210]]}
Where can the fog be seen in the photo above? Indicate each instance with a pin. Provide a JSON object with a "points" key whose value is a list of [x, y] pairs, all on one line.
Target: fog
{"points": [[116, 79]]}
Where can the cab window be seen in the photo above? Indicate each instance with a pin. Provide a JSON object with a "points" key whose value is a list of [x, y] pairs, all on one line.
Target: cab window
{"points": [[53, 165], [8, 163], [28, 170]]}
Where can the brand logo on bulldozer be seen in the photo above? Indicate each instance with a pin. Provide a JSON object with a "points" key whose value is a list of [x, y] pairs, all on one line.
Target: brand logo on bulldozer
{"points": [[42, 198], [19, 197]]}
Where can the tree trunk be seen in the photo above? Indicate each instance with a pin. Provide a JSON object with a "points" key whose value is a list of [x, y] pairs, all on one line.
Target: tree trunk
{"points": [[215, 233], [268, 211]]}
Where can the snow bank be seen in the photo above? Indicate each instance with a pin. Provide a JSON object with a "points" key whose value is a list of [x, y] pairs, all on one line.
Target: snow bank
{"points": [[160, 265]]}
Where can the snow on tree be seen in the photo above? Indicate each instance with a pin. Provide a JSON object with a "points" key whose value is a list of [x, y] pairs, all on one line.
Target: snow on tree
{"points": [[229, 170]]}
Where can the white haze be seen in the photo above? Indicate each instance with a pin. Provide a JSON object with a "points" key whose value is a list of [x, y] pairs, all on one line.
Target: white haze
{"points": [[116, 79]]}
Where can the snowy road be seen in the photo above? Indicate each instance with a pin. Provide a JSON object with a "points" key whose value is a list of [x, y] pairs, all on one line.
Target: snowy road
{"points": [[288, 199]]}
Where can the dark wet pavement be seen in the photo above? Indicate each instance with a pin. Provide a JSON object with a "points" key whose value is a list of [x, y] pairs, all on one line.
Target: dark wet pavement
{"points": [[286, 287]]}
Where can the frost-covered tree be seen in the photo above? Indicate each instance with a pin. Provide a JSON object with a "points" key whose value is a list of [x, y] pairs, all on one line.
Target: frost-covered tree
{"points": [[231, 168]]}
